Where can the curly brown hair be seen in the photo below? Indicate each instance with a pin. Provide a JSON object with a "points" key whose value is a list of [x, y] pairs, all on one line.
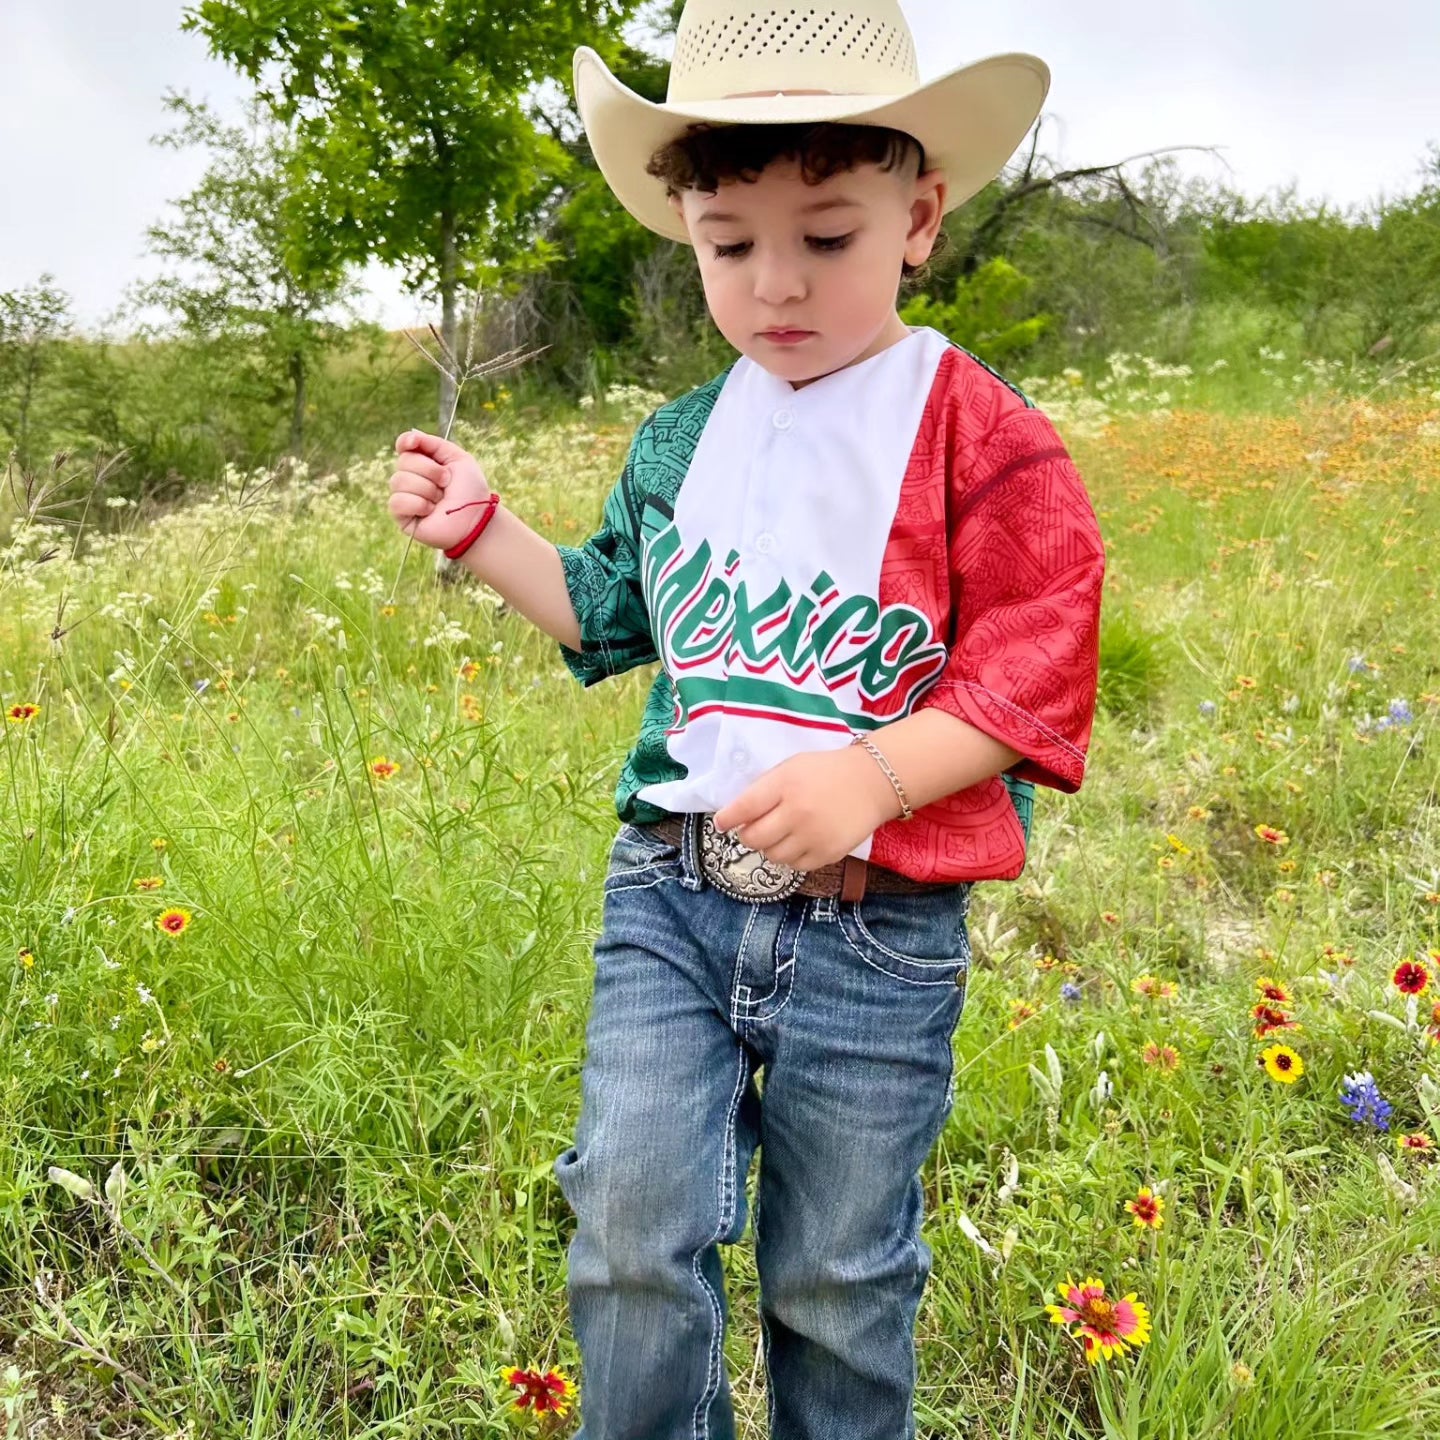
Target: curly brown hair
{"points": [[706, 155]]}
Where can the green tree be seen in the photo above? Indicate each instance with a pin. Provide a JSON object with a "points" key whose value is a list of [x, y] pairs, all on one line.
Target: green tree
{"points": [[238, 286], [34, 324], [412, 125], [990, 314]]}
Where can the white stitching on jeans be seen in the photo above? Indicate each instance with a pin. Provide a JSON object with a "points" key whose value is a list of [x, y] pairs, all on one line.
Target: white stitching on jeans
{"points": [[648, 885], [881, 970], [716, 1359], [886, 950]]}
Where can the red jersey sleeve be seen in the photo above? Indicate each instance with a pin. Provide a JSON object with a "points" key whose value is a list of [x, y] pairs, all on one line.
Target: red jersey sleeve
{"points": [[1027, 565]]}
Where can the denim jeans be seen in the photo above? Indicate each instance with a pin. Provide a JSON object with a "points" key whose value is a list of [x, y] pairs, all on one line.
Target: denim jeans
{"points": [[849, 1010]]}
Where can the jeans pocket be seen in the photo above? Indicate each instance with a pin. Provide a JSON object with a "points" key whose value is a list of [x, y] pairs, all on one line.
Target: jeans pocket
{"points": [[918, 939], [638, 856]]}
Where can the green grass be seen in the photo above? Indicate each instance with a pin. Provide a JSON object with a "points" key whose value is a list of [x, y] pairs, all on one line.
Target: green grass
{"points": [[336, 1100]]}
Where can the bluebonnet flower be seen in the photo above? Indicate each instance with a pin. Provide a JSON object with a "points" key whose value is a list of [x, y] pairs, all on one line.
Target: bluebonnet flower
{"points": [[201, 686], [1362, 1097], [1358, 663], [1208, 708], [1401, 713], [1070, 992]]}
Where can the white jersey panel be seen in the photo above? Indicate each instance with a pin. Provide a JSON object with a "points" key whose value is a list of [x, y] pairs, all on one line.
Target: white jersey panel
{"points": [[764, 592]]}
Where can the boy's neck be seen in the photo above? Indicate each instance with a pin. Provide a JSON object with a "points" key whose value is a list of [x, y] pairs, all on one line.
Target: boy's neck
{"points": [[894, 331]]}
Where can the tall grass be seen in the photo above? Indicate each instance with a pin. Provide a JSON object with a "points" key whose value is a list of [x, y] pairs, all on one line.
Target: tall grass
{"points": [[334, 1098]]}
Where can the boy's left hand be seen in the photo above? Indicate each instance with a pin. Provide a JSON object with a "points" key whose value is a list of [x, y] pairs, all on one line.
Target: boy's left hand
{"points": [[812, 809]]}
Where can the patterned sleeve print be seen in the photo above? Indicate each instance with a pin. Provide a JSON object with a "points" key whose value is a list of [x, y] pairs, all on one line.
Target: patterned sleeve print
{"points": [[1027, 565], [603, 577]]}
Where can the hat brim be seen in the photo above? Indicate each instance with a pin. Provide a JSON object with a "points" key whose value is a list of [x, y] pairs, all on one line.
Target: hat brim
{"points": [[969, 121]]}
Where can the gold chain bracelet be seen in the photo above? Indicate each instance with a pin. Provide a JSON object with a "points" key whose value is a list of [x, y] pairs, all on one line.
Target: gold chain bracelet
{"points": [[906, 813]]}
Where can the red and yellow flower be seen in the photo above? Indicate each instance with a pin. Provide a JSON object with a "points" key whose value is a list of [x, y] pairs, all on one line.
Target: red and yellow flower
{"points": [[550, 1392], [1417, 1142], [1161, 1057], [1104, 1327], [1272, 990], [1153, 988], [383, 769], [1268, 1019], [1411, 977], [1148, 1209], [173, 921], [22, 712], [1271, 835]]}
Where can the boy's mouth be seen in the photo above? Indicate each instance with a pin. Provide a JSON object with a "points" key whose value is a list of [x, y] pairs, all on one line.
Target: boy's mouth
{"points": [[786, 337]]}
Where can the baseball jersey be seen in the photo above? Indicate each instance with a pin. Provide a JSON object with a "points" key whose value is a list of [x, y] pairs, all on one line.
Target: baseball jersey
{"points": [[811, 564]]}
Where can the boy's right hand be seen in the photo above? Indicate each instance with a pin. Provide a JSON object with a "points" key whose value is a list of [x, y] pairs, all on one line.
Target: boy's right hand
{"points": [[434, 489]]}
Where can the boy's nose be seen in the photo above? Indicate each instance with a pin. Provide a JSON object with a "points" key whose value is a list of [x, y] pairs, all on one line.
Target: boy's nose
{"points": [[778, 282]]}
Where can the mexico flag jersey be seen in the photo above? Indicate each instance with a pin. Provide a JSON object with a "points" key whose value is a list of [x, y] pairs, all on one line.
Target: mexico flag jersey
{"points": [[811, 564]]}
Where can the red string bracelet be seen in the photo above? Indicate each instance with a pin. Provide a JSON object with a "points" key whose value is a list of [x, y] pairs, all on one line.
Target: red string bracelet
{"points": [[491, 506]]}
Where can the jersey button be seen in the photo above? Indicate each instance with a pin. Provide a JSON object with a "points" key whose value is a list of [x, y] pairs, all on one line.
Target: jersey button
{"points": [[784, 419], [739, 758], [765, 543]]}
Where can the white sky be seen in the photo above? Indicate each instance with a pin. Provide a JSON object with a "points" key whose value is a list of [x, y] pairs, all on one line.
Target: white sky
{"points": [[1339, 99]]}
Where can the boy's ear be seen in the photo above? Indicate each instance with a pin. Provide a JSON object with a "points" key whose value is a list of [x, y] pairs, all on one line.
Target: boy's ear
{"points": [[678, 207], [927, 213]]}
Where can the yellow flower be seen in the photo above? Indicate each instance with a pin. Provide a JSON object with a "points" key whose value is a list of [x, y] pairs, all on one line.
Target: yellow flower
{"points": [[173, 922], [383, 769], [1271, 836], [1281, 1063], [27, 960], [22, 712]]}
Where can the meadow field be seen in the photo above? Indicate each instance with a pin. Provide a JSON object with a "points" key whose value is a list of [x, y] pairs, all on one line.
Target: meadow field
{"points": [[300, 856]]}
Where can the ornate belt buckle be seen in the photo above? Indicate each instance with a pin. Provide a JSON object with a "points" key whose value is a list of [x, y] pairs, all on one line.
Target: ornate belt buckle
{"points": [[742, 873]]}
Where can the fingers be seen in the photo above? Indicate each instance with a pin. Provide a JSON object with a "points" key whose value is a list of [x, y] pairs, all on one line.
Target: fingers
{"points": [[405, 483], [759, 799], [405, 506], [412, 462], [444, 452]]}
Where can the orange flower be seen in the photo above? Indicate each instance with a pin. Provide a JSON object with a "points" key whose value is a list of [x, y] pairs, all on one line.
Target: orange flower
{"points": [[383, 769], [149, 882], [1147, 1208], [1153, 988], [1161, 1057], [173, 922], [1272, 990], [26, 711], [1245, 682], [1269, 1019], [1271, 836]]}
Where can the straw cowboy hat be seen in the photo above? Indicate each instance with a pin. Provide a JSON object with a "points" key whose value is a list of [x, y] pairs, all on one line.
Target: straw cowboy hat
{"points": [[745, 62]]}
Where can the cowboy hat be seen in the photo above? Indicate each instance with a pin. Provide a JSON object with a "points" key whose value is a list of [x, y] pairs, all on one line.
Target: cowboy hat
{"points": [[745, 62]]}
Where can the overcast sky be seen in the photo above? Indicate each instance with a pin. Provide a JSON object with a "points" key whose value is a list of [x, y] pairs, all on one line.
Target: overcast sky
{"points": [[1340, 99]]}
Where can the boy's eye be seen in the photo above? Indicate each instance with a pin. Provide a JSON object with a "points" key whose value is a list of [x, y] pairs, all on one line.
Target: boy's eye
{"points": [[731, 252], [831, 242]]}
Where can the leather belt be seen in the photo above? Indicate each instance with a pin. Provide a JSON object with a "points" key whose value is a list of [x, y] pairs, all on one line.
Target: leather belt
{"points": [[745, 874]]}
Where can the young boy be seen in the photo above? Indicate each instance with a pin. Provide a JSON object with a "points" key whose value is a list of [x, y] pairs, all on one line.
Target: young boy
{"points": [[872, 578]]}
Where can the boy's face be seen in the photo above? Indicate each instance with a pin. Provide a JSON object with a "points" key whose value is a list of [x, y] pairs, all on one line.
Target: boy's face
{"points": [[804, 278]]}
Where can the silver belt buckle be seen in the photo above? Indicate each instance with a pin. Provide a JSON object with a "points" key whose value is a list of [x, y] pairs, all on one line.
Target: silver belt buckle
{"points": [[742, 873]]}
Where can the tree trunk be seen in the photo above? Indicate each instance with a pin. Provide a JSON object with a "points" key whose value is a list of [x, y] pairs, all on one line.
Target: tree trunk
{"points": [[297, 412]]}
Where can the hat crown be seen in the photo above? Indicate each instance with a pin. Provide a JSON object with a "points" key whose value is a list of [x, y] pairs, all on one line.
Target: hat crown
{"points": [[725, 48]]}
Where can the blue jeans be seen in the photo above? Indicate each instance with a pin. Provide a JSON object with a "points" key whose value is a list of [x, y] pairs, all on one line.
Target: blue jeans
{"points": [[850, 1009]]}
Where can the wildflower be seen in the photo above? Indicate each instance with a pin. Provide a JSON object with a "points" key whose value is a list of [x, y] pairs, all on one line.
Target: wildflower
{"points": [[26, 711], [1161, 1057], [1109, 917], [222, 1066], [1282, 1064], [173, 922], [159, 843], [387, 611], [1147, 1208], [1245, 682], [1020, 1012], [1153, 988], [1208, 708], [1046, 963], [27, 959], [1410, 977], [1357, 663], [1415, 1142], [1070, 993], [1178, 844], [1274, 992], [150, 1044], [1400, 712], [1268, 1019], [1242, 1374], [144, 994], [1362, 1097], [149, 882], [52, 999], [1271, 836], [1105, 1327], [551, 1391], [382, 768], [469, 670]]}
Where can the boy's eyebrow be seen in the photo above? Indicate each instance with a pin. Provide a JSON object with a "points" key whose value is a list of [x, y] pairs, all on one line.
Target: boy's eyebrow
{"points": [[724, 218]]}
